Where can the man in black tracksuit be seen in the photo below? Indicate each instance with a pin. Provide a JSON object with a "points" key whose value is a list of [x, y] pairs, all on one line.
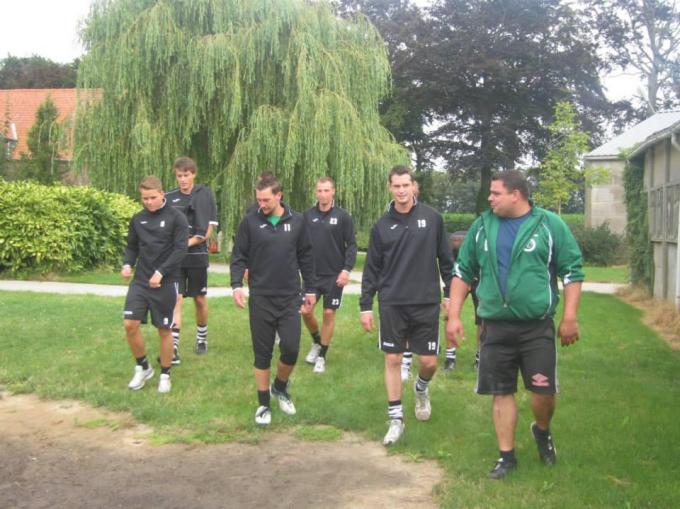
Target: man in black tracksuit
{"points": [[197, 203], [274, 245], [157, 243], [335, 251], [407, 255]]}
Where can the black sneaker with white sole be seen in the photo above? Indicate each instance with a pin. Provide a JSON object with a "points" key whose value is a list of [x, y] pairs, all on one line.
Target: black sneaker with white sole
{"points": [[201, 347], [502, 469]]}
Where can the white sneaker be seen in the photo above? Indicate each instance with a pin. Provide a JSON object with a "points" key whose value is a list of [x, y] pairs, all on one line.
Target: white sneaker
{"points": [[394, 432], [423, 406], [320, 365], [405, 372], [164, 384], [313, 353], [285, 403], [140, 378], [263, 415]]}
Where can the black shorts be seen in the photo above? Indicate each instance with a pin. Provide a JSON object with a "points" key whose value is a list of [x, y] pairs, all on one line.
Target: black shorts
{"points": [[193, 281], [332, 293], [409, 328], [508, 346], [269, 315], [160, 301]]}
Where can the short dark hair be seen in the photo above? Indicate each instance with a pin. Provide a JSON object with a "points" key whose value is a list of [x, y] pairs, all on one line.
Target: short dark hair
{"points": [[267, 179], [400, 170], [324, 180], [184, 164], [513, 180], [151, 183]]}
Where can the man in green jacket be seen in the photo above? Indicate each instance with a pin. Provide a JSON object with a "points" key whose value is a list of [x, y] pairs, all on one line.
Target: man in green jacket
{"points": [[518, 251]]}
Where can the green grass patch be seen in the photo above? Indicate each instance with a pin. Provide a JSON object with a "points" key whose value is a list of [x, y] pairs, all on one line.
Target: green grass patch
{"points": [[318, 433], [615, 274], [615, 426]]}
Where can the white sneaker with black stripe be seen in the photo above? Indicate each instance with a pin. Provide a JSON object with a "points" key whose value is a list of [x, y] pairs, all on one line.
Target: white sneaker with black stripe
{"points": [[140, 377], [394, 432], [263, 415], [164, 384], [313, 354]]}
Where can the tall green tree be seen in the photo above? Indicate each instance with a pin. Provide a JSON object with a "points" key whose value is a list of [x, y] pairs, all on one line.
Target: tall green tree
{"points": [[496, 70], [36, 72], [405, 112], [45, 140], [560, 173], [240, 86], [643, 36]]}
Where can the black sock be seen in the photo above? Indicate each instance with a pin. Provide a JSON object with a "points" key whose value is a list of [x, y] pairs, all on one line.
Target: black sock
{"points": [[508, 456], [141, 361], [324, 349], [165, 371], [263, 397], [316, 337], [280, 385], [542, 433]]}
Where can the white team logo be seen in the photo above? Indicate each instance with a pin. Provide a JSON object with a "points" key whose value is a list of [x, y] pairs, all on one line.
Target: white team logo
{"points": [[334, 220], [165, 320], [162, 224], [422, 223], [143, 222], [316, 219], [531, 245], [286, 227], [176, 200], [263, 225], [393, 226]]}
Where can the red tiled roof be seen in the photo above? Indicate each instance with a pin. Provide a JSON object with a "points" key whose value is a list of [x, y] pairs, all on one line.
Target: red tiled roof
{"points": [[20, 106]]}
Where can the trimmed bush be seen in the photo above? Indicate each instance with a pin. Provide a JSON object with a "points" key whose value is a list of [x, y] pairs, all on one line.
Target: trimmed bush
{"points": [[457, 221], [600, 246], [59, 228]]}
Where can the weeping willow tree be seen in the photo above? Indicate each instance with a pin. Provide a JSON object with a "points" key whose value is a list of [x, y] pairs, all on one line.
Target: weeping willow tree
{"points": [[240, 86]]}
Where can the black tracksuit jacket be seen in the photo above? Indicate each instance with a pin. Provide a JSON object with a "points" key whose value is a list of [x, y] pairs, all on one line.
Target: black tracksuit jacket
{"points": [[200, 210], [157, 241], [407, 255], [273, 255], [333, 240]]}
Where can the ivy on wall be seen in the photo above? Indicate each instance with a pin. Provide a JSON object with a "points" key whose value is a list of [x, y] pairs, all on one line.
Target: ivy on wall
{"points": [[637, 229]]}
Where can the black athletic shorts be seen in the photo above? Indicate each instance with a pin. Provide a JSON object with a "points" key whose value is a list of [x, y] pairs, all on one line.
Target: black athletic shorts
{"points": [[160, 301], [508, 346], [193, 281], [268, 315], [409, 328], [332, 293]]}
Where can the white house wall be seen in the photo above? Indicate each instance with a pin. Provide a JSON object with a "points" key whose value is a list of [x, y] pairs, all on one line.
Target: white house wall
{"points": [[606, 202]]}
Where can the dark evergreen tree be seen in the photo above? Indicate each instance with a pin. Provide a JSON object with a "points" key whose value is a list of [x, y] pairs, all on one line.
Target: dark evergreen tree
{"points": [[36, 72]]}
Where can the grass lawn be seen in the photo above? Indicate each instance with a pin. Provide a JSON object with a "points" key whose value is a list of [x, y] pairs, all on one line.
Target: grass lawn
{"points": [[616, 426], [616, 274]]}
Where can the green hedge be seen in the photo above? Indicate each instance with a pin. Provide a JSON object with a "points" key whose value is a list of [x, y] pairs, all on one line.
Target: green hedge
{"points": [[59, 228]]}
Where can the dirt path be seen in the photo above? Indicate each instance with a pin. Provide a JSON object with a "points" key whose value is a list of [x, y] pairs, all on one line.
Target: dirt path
{"points": [[53, 455]]}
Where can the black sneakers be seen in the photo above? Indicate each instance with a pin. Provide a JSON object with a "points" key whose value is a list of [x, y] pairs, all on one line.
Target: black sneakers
{"points": [[546, 448], [501, 469], [449, 365]]}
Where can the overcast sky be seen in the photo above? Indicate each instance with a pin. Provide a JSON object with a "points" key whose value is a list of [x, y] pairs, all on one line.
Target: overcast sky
{"points": [[49, 28]]}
